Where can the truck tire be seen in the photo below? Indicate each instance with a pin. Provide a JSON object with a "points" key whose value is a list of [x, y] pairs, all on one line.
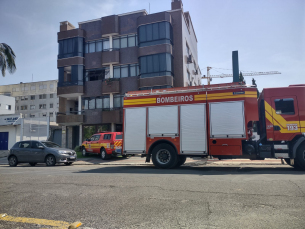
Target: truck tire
{"points": [[300, 157], [104, 154], [164, 156], [181, 160]]}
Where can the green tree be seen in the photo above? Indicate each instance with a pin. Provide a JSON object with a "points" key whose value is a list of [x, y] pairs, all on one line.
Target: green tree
{"points": [[241, 77], [7, 59]]}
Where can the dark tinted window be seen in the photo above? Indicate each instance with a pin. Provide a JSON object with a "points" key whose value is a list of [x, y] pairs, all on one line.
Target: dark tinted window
{"points": [[26, 144], [118, 136], [156, 65], [50, 144], [107, 136], [97, 137], [70, 47], [284, 106], [36, 145]]}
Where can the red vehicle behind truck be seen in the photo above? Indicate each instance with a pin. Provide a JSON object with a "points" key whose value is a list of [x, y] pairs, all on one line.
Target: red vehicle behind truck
{"points": [[105, 144], [169, 125]]}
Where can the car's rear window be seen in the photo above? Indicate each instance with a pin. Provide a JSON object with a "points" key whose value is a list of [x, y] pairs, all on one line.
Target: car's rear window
{"points": [[118, 136]]}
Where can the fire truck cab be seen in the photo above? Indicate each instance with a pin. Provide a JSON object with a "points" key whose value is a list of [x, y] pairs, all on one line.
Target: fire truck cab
{"points": [[218, 120]]}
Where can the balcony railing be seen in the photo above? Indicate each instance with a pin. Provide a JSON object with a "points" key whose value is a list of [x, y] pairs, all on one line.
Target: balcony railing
{"points": [[70, 83]]}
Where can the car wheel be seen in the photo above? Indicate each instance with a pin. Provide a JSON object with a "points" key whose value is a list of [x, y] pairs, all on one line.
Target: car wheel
{"points": [[13, 161], [84, 152], [50, 160], [104, 155], [164, 156], [68, 163], [32, 164], [181, 160]]}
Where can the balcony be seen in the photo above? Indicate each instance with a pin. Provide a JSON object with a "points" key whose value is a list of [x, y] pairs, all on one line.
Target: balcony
{"points": [[111, 85], [156, 81], [69, 119], [103, 116], [111, 57], [70, 89], [112, 116]]}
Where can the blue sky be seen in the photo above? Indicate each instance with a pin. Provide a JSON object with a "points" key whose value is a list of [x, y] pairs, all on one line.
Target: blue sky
{"points": [[269, 34]]}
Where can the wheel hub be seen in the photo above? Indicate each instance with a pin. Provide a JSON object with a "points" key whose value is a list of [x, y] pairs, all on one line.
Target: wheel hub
{"points": [[163, 156]]}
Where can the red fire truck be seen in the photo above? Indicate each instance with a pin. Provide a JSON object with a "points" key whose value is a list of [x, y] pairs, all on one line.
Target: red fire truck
{"points": [[169, 125]]}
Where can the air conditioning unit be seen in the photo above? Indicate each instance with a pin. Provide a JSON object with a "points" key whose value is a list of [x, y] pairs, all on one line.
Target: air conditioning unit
{"points": [[190, 59]]}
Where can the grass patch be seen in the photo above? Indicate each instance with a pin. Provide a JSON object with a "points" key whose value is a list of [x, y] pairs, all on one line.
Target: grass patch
{"points": [[79, 154]]}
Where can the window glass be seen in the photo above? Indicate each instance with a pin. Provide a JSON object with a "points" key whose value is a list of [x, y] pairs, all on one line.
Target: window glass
{"points": [[284, 106], [155, 63], [32, 97], [117, 101], [149, 63], [162, 60], [86, 48], [118, 136], [155, 31], [86, 104], [99, 46], [26, 144], [133, 70], [149, 32], [33, 88], [107, 136], [106, 44], [106, 102], [116, 43], [131, 41], [162, 30], [124, 71], [32, 107], [143, 64], [124, 42], [91, 47], [97, 137], [116, 72], [99, 103], [36, 145], [92, 104], [142, 34]]}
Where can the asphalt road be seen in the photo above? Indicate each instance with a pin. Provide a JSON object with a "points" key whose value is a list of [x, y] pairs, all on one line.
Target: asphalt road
{"points": [[145, 197]]}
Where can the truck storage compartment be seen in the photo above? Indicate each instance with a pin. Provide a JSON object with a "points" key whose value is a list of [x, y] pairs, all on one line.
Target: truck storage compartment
{"points": [[193, 129], [163, 121], [227, 119], [225, 150], [135, 130]]}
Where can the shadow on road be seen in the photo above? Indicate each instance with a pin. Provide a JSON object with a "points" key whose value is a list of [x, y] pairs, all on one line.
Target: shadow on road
{"points": [[206, 170]]}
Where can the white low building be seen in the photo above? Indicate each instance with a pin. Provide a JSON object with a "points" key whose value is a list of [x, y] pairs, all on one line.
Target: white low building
{"points": [[10, 130], [7, 105]]}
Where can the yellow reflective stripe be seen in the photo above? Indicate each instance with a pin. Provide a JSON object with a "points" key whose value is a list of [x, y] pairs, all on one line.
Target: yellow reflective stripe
{"points": [[139, 101], [232, 97], [231, 93]]}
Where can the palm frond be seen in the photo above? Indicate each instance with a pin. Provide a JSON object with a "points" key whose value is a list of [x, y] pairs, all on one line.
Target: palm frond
{"points": [[7, 59]]}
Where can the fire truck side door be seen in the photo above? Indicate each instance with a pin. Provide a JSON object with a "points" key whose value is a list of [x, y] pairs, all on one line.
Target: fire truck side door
{"points": [[285, 117]]}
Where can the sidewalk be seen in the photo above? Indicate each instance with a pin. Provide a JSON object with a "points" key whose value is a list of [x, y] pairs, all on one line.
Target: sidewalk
{"points": [[189, 162]]}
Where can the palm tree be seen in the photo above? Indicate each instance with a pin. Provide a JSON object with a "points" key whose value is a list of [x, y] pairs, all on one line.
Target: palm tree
{"points": [[7, 59]]}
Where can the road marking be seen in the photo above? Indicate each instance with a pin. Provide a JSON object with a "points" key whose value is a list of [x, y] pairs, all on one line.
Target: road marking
{"points": [[45, 222]]}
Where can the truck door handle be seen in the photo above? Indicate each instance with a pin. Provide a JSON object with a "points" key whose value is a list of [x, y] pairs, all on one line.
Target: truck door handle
{"points": [[224, 144]]}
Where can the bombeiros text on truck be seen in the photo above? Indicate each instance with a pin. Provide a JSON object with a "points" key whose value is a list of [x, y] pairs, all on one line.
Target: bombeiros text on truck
{"points": [[169, 125]]}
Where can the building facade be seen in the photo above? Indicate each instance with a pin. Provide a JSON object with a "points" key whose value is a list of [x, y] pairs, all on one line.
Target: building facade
{"points": [[33, 100], [7, 105], [105, 58]]}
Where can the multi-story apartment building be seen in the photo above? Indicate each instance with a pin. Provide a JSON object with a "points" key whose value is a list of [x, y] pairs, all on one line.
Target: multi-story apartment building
{"points": [[36, 99], [7, 105], [106, 57]]}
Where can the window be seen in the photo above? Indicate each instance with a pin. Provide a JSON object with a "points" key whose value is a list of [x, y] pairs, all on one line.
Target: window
{"points": [[70, 75], [17, 98], [118, 101], [36, 145], [70, 47], [97, 137], [51, 86], [284, 106], [32, 107], [187, 50], [118, 136], [42, 86], [42, 106], [24, 98], [97, 74], [32, 97], [33, 88], [124, 41], [14, 89], [26, 144], [44, 96], [107, 136], [97, 46], [8, 107], [51, 96], [32, 115], [51, 105], [96, 103], [25, 107], [125, 70], [156, 65], [17, 108], [51, 114], [154, 34], [44, 114]]}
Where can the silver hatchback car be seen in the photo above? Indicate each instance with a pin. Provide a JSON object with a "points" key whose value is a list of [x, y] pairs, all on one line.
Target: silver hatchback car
{"points": [[34, 152]]}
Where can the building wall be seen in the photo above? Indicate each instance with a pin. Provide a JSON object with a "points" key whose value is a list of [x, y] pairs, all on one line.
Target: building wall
{"points": [[12, 134], [7, 105], [19, 91]]}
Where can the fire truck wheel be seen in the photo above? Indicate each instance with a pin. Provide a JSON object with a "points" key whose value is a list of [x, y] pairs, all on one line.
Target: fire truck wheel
{"points": [[84, 152], [104, 155], [181, 160], [300, 157], [164, 156]]}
